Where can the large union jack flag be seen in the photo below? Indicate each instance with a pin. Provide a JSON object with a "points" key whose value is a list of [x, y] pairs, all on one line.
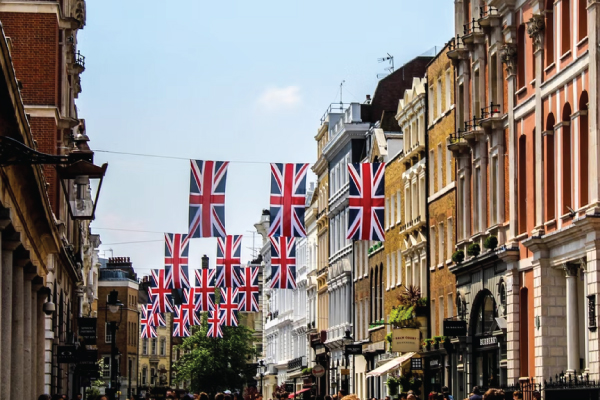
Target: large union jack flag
{"points": [[207, 198], [366, 200], [229, 306], [248, 291], [191, 305], [155, 318], [288, 198], [215, 324], [176, 260], [148, 330], [160, 291], [205, 289], [283, 263], [180, 323], [229, 252]]}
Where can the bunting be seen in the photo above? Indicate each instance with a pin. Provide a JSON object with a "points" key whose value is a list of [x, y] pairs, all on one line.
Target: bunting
{"points": [[366, 201], [205, 289], [147, 330], [249, 290], [288, 200], [191, 306], [207, 198], [283, 263], [176, 260], [229, 263], [180, 322], [215, 324], [229, 306], [160, 292]]}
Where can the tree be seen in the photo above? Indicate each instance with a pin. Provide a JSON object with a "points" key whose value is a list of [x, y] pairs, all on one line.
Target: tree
{"points": [[213, 364]]}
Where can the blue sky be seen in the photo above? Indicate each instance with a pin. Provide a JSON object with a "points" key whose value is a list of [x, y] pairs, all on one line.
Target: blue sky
{"points": [[236, 80]]}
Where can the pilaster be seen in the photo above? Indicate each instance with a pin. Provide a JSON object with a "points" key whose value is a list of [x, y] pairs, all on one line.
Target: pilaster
{"points": [[9, 244], [593, 110], [18, 330]]}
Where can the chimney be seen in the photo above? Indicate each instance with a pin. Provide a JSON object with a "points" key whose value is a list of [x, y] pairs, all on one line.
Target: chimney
{"points": [[368, 100]]}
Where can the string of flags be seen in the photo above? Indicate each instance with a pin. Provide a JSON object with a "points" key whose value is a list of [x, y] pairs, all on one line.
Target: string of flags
{"points": [[170, 290]]}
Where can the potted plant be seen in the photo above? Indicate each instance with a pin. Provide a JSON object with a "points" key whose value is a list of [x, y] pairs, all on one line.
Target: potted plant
{"points": [[446, 343], [436, 342], [428, 343], [458, 256], [491, 242], [393, 383], [474, 249]]}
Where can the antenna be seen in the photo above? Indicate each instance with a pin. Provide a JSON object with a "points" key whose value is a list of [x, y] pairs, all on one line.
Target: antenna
{"points": [[341, 91], [390, 59]]}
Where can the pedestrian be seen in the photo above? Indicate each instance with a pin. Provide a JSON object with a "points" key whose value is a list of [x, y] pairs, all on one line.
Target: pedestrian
{"points": [[432, 395], [219, 396], [475, 394], [203, 396], [495, 394], [517, 395], [411, 397], [446, 393], [387, 397], [44, 397], [537, 395]]}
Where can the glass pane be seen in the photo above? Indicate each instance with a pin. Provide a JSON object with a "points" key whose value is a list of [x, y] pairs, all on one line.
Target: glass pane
{"points": [[479, 370], [488, 314]]}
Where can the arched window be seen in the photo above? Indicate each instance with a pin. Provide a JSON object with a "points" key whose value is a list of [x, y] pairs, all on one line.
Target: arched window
{"points": [[567, 180], [549, 168], [565, 25], [483, 318], [549, 31], [521, 56], [582, 18], [522, 171], [373, 279], [583, 149], [380, 300]]}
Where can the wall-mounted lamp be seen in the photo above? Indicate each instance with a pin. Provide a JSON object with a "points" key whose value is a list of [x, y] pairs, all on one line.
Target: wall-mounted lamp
{"points": [[537, 322]]}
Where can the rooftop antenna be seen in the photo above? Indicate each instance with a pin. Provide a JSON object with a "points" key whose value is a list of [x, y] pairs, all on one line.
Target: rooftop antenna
{"points": [[390, 59], [341, 91]]}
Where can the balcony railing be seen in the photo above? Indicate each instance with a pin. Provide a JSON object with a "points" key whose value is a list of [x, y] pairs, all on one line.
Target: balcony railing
{"points": [[472, 27], [296, 364], [490, 112], [337, 108], [79, 60], [322, 271], [456, 141], [486, 11], [456, 48]]}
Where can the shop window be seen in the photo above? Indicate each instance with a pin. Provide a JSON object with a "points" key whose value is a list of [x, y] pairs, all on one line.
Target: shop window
{"points": [[485, 315]]}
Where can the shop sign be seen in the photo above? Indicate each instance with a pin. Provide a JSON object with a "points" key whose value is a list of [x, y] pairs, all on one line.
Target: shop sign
{"points": [[289, 387], [87, 330], [344, 371], [592, 312], [353, 349], [488, 341], [318, 371], [67, 354], [434, 363], [88, 361], [416, 364], [406, 340], [320, 349], [455, 328]]}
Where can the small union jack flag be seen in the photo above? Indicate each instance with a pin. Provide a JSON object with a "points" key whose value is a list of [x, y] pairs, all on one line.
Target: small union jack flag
{"points": [[155, 318], [191, 305], [160, 291], [288, 198], [229, 306], [180, 323], [248, 291], [207, 198], [205, 289], [176, 260], [283, 263], [229, 252], [366, 200], [148, 330], [215, 324]]}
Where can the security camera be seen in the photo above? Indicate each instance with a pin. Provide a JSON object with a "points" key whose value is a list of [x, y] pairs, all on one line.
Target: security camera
{"points": [[49, 308]]}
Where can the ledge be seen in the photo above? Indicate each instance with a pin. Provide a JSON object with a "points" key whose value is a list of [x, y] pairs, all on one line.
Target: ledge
{"points": [[520, 91], [549, 67], [567, 54]]}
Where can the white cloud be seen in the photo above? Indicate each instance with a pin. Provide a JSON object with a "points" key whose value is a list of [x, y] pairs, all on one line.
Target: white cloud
{"points": [[277, 98]]}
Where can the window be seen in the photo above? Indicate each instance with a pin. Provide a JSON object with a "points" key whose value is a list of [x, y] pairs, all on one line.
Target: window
{"points": [[433, 317], [107, 333], [439, 167], [476, 211], [106, 370], [431, 172], [441, 314], [494, 78], [448, 89], [392, 268], [439, 97], [460, 121], [494, 190], [408, 281], [460, 209], [145, 346], [388, 272], [549, 157], [442, 243], [407, 204], [431, 106], [582, 20], [398, 212], [485, 315], [433, 244], [144, 375], [521, 56], [450, 303], [392, 211], [154, 346], [399, 276], [522, 171], [565, 12], [152, 376], [583, 149], [567, 189], [450, 238], [448, 166], [163, 347], [549, 32]]}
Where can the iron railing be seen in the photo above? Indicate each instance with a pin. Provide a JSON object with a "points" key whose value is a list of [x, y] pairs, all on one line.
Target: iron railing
{"points": [[472, 27], [491, 111], [487, 11], [79, 59]]}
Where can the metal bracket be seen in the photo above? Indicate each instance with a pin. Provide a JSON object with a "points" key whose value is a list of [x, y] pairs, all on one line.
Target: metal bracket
{"points": [[13, 152]]}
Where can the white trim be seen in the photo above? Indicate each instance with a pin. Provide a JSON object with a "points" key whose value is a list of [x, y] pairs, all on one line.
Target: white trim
{"points": [[42, 111], [40, 7], [441, 192], [127, 283]]}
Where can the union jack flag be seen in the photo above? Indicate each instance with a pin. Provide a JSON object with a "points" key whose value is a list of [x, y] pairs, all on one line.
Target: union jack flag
{"points": [[180, 325], [160, 291], [154, 318], [288, 198], [229, 306], [207, 198], [215, 324], [191, 305], [283, 263], [229, 252], [366, 199], [205, 289], [176, 260], [148, 330], [248, 291]]}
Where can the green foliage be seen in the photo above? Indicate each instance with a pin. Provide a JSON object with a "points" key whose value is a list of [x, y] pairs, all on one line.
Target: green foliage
{"points": [[491, 242], [458, 256], [437, 339], [474, 249], [213, 364], [410, 296], [428, 341], [393, 382], [307, 371]]}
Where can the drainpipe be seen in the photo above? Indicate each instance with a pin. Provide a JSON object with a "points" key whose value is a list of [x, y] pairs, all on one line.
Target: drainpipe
{"points": [[428, 247]]}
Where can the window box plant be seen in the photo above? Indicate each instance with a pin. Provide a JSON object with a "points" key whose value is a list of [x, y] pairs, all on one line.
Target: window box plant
{"points": [[474, 249], [458, 256]]}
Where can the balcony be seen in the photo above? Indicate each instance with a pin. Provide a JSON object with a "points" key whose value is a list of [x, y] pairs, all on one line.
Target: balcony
{"points": [[473, 129], [457, 49], [491, 117], [489, 16], [296, 364], [473, 33], [415, 149], [456, 143], [322, 273]]}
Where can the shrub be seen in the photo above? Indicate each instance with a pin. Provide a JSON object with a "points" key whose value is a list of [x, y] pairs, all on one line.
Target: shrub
{"points": [[474, 249], [491, 242], [458, 256]]}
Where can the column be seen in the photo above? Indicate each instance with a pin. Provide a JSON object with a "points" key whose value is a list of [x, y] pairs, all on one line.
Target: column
{"points": [[41, 346], [594, 89], [27, 391], [6, 345], [572, 271], [18, 331]]}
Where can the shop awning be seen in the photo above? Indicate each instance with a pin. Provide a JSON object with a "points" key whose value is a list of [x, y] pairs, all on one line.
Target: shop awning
{"points": [[388, 366], [291, 396]]}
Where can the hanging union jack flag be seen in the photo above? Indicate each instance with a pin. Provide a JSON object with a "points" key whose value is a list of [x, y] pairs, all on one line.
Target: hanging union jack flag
{"points": [[283, 263], [229, 252], [148, 330], [215, 324], [160, 291], [176, 260], [190, 306], [229, 306], [366, 199], [288, 198], [207, 198], [248, 291], [154, 318], [205, 289], [180, 325]]}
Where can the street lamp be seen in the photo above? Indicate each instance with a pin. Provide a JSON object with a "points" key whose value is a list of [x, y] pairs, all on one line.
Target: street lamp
{"points": [[261, 367], [114, 305], [347, 340]]}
